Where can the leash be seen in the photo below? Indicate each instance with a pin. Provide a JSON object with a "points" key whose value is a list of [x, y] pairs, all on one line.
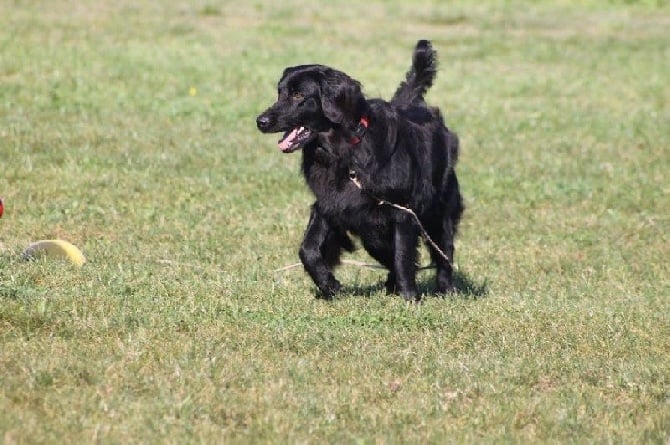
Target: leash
{"points": [[424, 233]]}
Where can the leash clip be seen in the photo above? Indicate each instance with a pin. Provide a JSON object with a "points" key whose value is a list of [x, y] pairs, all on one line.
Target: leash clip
{"points": [[354, 178]]}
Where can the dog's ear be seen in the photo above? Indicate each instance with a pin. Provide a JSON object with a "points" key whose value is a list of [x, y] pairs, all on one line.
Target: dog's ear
{"points": [[341, 98]]}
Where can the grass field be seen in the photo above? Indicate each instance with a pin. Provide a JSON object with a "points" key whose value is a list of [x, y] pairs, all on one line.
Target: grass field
{"points": [[127, 128]]}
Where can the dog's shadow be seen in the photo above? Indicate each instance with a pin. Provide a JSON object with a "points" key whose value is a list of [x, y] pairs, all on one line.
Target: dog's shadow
{"points": [[466, 288]]}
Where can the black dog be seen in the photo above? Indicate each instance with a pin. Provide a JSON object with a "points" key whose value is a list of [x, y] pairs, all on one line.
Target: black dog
{"points": [[358, 153]]}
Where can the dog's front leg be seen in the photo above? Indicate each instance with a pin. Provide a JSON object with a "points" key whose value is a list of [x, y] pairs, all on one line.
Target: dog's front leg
{"points": [[405, 240], [311, 256]]}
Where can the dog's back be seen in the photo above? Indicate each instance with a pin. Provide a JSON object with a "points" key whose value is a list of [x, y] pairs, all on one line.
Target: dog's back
{"points": [[410, 97]]}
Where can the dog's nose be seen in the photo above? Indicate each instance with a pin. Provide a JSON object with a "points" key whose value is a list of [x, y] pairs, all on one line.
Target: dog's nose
{"points": [[263, 122]]}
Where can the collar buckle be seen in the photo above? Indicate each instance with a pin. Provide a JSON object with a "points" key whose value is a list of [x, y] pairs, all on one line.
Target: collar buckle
{"points": [[359, 131]]}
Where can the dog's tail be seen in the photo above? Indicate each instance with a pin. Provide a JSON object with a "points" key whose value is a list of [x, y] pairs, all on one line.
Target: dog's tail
{"points": [[419, 77]]}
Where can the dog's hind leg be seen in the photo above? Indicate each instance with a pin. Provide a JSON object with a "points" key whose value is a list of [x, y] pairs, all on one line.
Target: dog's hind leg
{"points": [[451, 217], [444, 277], [319, 234]]}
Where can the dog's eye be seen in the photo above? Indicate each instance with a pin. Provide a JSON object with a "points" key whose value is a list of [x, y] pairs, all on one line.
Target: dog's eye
{"points": [[297, 96]]}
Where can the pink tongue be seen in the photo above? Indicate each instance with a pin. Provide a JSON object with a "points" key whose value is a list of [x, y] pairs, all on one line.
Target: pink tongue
{"points": [[286, 143]]}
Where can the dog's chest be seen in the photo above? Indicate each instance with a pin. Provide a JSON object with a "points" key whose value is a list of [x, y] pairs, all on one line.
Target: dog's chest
{"points": [[342, 202], [331, 184]]}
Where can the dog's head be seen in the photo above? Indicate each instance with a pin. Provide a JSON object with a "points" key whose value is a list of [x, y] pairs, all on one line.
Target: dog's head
{"points": [[312, 99]]}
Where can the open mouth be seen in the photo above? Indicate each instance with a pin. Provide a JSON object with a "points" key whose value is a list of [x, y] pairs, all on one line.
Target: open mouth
{"points": [[294, 139]]}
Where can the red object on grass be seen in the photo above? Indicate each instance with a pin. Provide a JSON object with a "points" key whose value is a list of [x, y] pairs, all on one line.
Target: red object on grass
{"points": [[1, 208]]}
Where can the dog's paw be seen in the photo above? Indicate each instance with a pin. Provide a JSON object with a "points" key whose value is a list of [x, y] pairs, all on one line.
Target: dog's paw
{"points": [[445, 285], [329, 291], [411, 296], [446, 291]]}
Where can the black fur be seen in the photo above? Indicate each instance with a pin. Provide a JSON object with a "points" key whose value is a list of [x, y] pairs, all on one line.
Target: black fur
{"points": [[406, 155]]}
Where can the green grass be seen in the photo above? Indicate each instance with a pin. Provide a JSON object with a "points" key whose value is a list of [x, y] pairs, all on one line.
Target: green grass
{"points": [[128, 129]]}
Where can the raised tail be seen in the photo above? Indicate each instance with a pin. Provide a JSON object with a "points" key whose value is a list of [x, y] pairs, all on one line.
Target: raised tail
{"points": [[419, 77]]}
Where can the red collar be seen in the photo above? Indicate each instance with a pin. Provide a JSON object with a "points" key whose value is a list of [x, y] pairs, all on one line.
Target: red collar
{"points": [[359, 131]]}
